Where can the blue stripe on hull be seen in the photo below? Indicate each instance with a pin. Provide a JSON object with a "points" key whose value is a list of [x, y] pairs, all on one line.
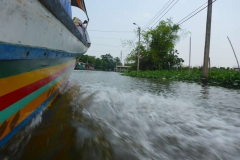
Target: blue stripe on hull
{"points": [[20, 52]]}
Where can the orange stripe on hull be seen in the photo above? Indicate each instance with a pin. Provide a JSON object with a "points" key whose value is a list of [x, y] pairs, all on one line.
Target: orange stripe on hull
{"points": [[17, 118]]}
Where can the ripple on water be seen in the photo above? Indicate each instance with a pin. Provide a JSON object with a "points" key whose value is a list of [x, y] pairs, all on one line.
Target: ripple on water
{"points": [[109, 116], [171, 119]]}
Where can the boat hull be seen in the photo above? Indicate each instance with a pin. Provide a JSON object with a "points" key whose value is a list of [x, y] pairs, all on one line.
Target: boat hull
{"points": [[29, 23], [37, 56], [27, 87]]}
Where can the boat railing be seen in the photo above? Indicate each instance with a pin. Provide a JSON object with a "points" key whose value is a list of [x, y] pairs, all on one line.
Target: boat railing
{"points": [[56, 8]]}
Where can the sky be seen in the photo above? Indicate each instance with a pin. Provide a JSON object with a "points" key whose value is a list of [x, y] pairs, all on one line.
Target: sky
{"points": [[111, 23]]}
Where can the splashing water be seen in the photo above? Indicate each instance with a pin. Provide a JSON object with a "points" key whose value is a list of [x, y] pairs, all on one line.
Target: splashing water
{"points": [[109, 116]]}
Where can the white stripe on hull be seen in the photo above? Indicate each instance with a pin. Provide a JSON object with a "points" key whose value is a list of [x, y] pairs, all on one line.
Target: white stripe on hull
{"points": [[27, 22]]}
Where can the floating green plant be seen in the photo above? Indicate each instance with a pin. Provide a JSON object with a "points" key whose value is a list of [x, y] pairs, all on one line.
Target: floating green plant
{"points": [[220, 77]]}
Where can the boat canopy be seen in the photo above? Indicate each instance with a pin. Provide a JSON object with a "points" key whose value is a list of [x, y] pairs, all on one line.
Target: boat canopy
{"points": [[80, 4]]}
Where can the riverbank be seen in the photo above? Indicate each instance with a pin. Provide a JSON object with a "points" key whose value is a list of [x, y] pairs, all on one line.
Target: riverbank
{"points": [[224, 78]]}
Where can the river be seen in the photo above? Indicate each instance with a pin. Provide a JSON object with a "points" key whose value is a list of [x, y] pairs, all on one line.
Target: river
{"points": [[108, 116]]}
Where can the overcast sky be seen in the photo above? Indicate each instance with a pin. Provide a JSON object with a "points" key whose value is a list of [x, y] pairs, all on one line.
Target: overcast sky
{"points": [[119, 15]]}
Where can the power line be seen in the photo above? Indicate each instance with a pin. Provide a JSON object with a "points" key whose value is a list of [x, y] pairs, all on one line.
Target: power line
{"points": [[104, 50], [197, 12], [162, 10], [158, 14], [111, 31], [191, 13], [105, 38], [167, 12], [128, 48], [106, 45], [108, 38]]}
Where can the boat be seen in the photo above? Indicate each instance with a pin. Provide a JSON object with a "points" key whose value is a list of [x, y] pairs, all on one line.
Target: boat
{"points": [[39, 48]]}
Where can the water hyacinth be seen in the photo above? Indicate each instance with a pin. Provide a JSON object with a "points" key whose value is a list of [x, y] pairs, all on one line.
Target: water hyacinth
{"points": [[224, 78]]}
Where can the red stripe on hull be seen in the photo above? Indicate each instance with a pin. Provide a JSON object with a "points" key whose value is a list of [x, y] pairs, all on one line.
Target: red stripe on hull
{"points": [[16, 95]]}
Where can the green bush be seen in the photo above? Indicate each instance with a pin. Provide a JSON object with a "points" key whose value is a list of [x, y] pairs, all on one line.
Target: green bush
{"points": [[222, 77]]}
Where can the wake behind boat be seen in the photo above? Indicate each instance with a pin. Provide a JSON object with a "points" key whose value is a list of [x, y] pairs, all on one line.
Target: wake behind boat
{"points": [[39, 47]]}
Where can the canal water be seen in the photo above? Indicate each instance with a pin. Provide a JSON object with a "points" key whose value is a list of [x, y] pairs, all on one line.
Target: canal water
{"points": [[107, 116]]}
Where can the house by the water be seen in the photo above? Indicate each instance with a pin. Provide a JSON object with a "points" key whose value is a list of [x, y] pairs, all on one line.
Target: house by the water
{"points": [[121, 68], [236, 68], [84, 66]]}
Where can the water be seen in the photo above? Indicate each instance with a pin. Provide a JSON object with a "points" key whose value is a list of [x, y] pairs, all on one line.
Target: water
{"points": [[109, 116]]}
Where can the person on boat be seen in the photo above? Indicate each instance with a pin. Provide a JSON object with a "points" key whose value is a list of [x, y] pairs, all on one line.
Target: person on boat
{"points": [[86, 33], [82, 28], [79, 24]]}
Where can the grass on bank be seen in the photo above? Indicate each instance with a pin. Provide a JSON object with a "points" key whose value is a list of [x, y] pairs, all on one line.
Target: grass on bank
{"points": [[218, 77]]}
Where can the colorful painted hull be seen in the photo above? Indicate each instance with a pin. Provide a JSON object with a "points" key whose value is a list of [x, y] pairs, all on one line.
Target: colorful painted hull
{"points": [[37, 56]]}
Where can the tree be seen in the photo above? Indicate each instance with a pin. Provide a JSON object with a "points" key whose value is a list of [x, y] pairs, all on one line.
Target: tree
{"points": [[117, 61], [87, 59], [162, 41], [157, 50], [107, 62], [98, 64]]}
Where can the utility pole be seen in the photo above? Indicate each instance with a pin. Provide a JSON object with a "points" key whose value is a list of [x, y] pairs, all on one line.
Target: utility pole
{"points": [[138, 48], [234, 54], [207, 44], [138, 56], [189, 57]]}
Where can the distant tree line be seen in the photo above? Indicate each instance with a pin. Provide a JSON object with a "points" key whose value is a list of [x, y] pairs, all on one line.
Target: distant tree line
{"points": [[157, 48], [105, 62]]}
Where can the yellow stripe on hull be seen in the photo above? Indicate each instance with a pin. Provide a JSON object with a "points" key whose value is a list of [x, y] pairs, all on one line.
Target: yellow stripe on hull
{"points": [[17, 118], [13, 83]]}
